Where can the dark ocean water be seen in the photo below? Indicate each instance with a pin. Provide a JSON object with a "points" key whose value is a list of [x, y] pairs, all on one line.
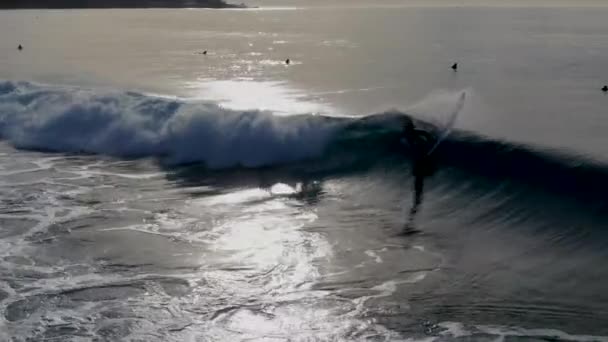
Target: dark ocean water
{"points": [[258, 201]]}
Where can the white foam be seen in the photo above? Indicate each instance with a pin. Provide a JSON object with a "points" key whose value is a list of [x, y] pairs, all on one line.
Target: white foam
{"points": [[553, 333], [456, 330], [134, 125], [235, 197], [373, 254], [150, 175], [453, 329]]}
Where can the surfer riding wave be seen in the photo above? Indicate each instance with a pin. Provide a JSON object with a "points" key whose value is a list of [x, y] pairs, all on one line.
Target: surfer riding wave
{"points": [[421, 144]]}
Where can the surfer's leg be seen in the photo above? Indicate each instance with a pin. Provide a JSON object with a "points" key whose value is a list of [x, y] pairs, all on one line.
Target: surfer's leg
{"points": [[417, 200], [418, 188]]}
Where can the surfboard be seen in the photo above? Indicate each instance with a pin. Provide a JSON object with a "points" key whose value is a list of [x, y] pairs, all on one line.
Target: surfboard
{"points": [[444, 131]]}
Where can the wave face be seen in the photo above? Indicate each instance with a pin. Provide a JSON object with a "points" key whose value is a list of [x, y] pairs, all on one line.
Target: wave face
{"points": [[132, 125], [66, 119]]}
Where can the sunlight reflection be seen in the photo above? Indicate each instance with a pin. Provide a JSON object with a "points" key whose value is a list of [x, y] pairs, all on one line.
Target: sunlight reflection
{"points": [[266, 95]]}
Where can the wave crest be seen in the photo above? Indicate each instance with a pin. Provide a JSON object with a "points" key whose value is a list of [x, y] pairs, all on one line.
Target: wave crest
{"points": [[67, 119], [126, 124]]}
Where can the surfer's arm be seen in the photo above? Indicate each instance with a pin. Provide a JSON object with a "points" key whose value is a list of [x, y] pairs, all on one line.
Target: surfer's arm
{"points": [[426, 137]]}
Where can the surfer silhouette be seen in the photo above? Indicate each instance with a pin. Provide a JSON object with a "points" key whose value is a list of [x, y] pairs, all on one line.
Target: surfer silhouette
{"points": [[421, 143]]}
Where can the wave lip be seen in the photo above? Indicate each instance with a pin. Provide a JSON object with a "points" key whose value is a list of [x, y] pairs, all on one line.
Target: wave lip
{"points": [[65, 119]]}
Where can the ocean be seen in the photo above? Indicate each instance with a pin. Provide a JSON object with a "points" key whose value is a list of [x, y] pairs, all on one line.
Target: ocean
{"points": [[150, 191]]}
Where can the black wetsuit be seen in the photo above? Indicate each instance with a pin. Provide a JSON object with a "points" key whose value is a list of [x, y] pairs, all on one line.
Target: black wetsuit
{"points": [[420, 142]]}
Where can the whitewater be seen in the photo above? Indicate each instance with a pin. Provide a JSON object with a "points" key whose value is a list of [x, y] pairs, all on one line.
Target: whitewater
{"points": [[135, 125], [149, 192]]}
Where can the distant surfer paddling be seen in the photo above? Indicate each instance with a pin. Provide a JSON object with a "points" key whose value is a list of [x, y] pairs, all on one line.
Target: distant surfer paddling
{"points": [[421, 144]]}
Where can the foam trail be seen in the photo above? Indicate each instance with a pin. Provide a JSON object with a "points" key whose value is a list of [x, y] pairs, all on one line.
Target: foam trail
{"points": [[68, 119]]}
